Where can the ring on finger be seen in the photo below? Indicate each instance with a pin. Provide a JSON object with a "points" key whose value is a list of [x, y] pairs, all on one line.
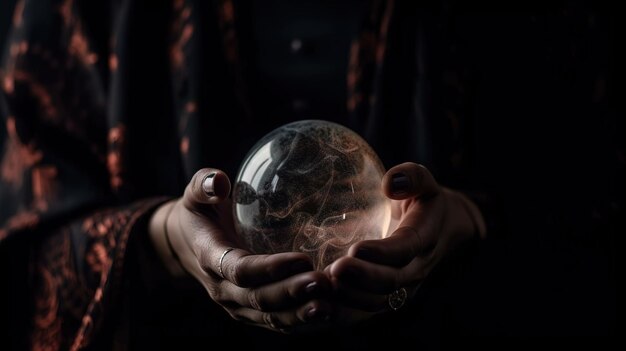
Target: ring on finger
{"points": [[397, 299], [222, 261]]}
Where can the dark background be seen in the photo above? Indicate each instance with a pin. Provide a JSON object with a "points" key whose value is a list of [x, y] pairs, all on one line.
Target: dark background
{"points": [[6, 12], [554, 156]]}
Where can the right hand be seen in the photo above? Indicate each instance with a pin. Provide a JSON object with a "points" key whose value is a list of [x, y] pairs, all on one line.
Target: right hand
{"points": [[280, 291]]}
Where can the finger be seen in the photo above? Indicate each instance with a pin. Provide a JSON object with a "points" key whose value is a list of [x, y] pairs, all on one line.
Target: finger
{"points": [[375, 278], [208, 186], [222, 254], [351, 297], [347, 316], [408, 180], [282, 295], [288, 321], [247, 270], [416, 235], [396, 250]]}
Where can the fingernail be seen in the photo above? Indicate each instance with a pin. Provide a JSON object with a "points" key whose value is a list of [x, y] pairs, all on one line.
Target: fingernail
{"points": [[314, 314], [399, 183], [311, 313], [207, 184], [311, 287]]}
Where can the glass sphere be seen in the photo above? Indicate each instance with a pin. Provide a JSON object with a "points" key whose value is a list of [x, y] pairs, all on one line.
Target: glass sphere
{"points": [[311, 186]]}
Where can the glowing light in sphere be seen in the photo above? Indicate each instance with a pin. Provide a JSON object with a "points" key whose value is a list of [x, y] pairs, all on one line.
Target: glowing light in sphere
{"points": [[311, 186]]}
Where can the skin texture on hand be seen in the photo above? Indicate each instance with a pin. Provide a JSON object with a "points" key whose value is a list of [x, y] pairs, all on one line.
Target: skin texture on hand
{"points": [[280, 292], [429, 222]]}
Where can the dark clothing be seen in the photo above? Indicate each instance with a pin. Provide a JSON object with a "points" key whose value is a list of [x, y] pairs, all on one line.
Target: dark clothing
{"points": [[111, 107]]}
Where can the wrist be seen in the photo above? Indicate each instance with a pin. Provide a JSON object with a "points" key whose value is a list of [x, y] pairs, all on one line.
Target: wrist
{"points": [[159, 236]]}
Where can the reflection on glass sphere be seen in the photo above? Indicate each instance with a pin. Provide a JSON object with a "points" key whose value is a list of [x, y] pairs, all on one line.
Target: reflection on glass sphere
{"points": [[311, 186]]}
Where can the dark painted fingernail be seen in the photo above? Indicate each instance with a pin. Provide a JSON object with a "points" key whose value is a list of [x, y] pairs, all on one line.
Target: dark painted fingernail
{"points": [[311, 313], [400, 183], [311, 287], [314, 314]]}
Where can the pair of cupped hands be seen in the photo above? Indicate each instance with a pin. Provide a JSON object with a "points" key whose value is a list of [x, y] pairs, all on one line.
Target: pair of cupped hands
{"points": [[195, 235]]}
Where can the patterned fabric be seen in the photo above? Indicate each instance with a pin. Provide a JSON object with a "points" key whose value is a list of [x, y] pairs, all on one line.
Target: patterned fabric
{"points": [[77, 276], [72, 127], [66, 163]]}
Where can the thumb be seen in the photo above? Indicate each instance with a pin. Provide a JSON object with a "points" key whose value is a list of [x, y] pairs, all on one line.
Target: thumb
{"points": [[208, 186], [408, 180]]}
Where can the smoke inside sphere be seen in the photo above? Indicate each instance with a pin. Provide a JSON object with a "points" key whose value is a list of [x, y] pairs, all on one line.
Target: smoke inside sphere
{"points": [[311, 186]]}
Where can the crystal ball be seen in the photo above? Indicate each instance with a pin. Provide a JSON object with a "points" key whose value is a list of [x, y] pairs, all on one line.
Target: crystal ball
{"points": [[311, 186]]}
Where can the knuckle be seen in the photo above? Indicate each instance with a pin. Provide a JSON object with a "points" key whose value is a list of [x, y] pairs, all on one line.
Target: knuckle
{"points": [[236, 275], [397, 281], [414, 278], [415, 272], [204, 259], [419, 242], [290, 291], [270, 320], [417, 238], [205, 266], [218, 291], [273, 321], [215, 293], [239, 270], [254, 299]]}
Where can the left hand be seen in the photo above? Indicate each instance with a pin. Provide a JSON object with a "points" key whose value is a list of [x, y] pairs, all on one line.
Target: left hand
{"points": [[195, 234], [429, 221]]}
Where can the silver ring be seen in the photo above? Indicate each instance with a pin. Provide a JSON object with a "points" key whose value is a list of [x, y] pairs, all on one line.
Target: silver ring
{"points": [[222, 261], [397, 299]]}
